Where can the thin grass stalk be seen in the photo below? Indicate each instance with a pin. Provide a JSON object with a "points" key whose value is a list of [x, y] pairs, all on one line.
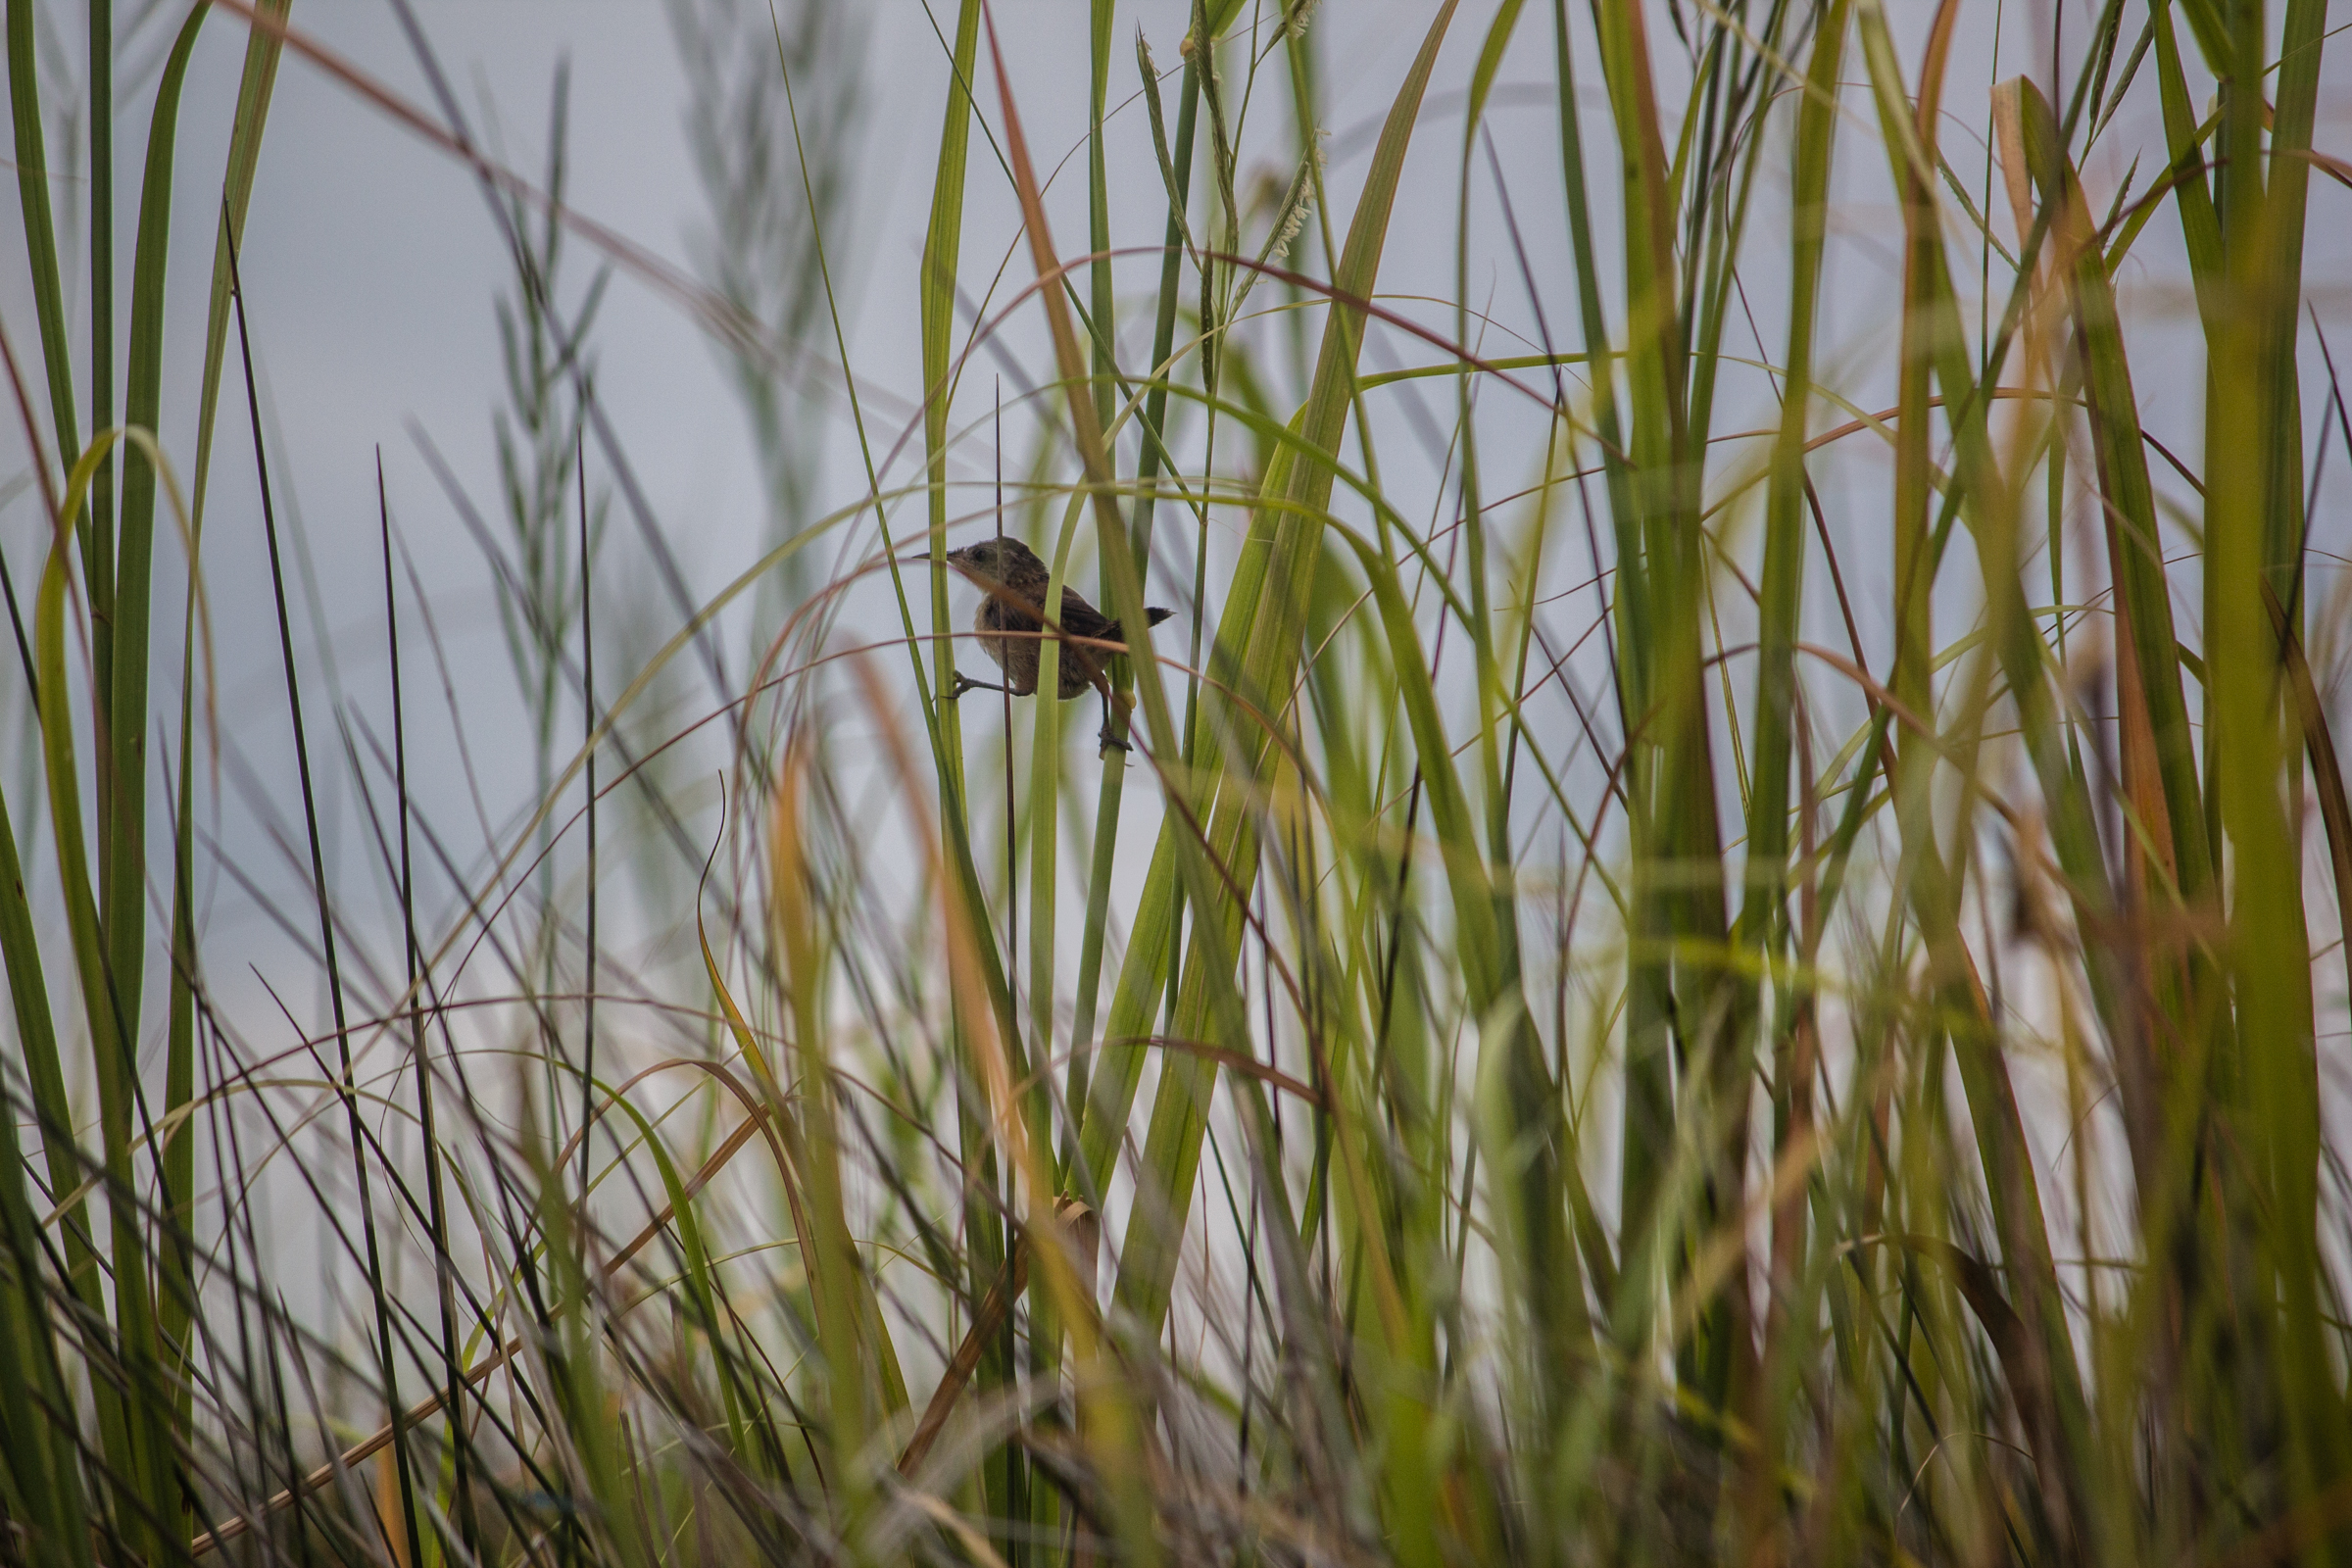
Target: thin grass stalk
{"points": [[964, 889], [2043, 1370], [588, 727], [2135, 550], [1107, 1425], [1534, 1153], [851, 1406], [1473, 512], [2302, 43], [37, 1035], [123, 901], [986, 1244], [1150, 975], [460, 1507], [264, 43], [1080, 1179], [102, 536], [1764, 925], [1156, 940], [575, 1415], [1042, 803], [175, 1171], [1106, 1412], [1648, 1093], [1263, 632], [386, 1366], [2273, 1087], [1680, 937], [942, 247], [40, 244], [1723, 180], [43, 1472], [177, 1161], [135, 1445], [2172, 983], [1044, 1509], [1723, 161]]}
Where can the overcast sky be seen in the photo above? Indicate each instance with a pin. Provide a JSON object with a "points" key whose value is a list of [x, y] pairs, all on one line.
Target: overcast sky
{"points": [[372, 264]]}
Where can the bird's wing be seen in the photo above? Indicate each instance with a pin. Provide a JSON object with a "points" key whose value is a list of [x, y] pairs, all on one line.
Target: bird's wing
{"points": [[1002, 609], [1082, 620]]}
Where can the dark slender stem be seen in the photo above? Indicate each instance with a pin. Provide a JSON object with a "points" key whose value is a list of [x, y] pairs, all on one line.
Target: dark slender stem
{"points": [[444, 1267], [588, 741], [102, 265], [1012, 876], [326, 923], [15, 621]]}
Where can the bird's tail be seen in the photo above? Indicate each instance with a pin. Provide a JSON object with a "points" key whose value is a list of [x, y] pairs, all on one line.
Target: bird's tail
{"points": [[1152, 616]]}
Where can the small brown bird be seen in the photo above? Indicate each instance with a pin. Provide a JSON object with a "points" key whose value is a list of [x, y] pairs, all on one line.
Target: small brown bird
{"points": [[1012, 582]]}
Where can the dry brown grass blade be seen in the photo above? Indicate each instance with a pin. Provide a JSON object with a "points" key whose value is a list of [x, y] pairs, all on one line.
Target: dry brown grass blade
{"points": [[1008, 1289], [1084, 1229], [2335, 168]]}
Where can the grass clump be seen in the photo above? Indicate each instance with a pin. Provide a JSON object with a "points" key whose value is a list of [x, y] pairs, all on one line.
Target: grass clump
{"points": [[1656, 987]]}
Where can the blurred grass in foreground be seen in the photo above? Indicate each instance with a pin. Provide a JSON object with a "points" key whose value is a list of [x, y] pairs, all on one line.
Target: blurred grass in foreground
{"points": [[1782, 1103]]}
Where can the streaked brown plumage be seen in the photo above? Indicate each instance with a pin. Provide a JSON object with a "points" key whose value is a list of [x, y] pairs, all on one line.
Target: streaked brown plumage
{"points": [[1012, 582]]}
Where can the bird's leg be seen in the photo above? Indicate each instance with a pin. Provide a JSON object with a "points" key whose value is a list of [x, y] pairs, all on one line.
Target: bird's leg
{"points": [[1113, 737], [965, 683]]}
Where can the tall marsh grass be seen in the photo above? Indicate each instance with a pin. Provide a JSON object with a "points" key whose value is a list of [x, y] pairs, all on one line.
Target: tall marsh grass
{"points": [[1654, 986]]}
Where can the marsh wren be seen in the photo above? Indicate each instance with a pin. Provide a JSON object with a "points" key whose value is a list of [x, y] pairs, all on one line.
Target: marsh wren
{"points": [[1012, 583]]}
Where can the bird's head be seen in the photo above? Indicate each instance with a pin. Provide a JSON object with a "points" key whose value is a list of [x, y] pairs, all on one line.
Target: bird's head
{"points": [[1000, 562]]}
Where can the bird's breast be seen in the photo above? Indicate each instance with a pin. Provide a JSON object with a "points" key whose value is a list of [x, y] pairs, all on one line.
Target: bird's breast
{"points": [[1015, 656]]}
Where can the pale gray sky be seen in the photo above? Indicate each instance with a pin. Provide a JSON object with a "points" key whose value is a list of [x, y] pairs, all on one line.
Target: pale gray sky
{"points": [[372, 264]]}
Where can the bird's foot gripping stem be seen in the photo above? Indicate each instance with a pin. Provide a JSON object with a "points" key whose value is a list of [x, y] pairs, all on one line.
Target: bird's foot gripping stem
{"points": [[1116, 713], [965, 683]]}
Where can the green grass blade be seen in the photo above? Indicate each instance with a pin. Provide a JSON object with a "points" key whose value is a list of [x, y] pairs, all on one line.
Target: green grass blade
{"points": [[102, 304], [36, 1040], [124, 899], [40, 228], [2131, 502], [1262, 628], [985, 1242], [1147, 482], [263, 45], [942, 247], [138, 1447], [2051, 1407], [2252, 428], [1764, 922], [40, 1473]]}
